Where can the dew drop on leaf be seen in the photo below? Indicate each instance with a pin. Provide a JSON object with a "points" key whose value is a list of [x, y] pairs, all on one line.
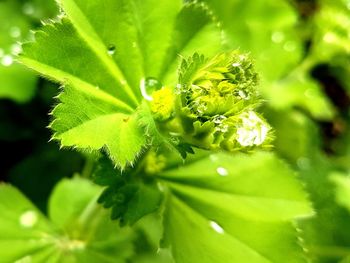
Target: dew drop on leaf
{"points": [[28, 8], [16, 49], [15, 32], [148, 86], [28, 219], [213, 158], [222, 171], [289, 46], [277, 37], [218, 119], [243, 95], [111, 49], [217, 227], [7, 60]]}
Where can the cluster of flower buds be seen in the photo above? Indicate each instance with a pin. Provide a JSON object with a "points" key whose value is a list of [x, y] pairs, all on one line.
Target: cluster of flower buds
{"points": [[215, 104]]}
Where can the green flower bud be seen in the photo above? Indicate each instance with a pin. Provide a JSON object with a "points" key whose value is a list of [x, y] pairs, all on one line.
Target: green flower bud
{"points": [[223, 85], [216, 102]]}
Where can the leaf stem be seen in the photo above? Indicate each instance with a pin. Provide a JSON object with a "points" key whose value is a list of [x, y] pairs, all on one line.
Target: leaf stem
{"points": [[88, 167]]}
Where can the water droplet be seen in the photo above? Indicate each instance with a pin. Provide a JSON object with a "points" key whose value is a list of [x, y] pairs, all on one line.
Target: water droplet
{"points": [[222, 128], [178, 89], [15, 32], [28, 8], [222, 171], [28, 219], [277, 37], [290, 46], [243, 95], [309, 93], [216, 227], [7, 60], [218, 119], [111, 50], [242, 57], [201, 108], [16, 49], [148, 86], [237, 64], [214, 158]]}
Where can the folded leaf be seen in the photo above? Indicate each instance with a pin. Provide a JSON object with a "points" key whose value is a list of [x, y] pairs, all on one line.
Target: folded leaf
{"points": [[237, 202], [103, 57], [79, 230]]}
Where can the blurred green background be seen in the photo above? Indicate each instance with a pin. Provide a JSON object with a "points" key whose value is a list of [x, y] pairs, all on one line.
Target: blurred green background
{"points": [[302, 52]]}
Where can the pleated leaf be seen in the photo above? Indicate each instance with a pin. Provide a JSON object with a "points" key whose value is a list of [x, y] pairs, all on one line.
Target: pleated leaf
{"points": [[101, 51], [78, 229], [234, 209]]}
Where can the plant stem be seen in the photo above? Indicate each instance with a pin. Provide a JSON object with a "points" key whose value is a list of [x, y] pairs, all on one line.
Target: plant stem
{"points": [[88, 167]]}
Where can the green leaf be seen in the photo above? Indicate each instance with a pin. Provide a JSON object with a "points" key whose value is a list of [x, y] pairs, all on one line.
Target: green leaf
{"points": [[78, 63], [189, 67], [65, 193], [104, 123], [16, 82], [266, 28], [297, 136], [299, 89], [160, 140], [146, 200], [22, 226], [83, 219], [79, 231], [40, 9], [129, 199], [195, 31], [102, 58], [235, 201], [331, 31], [140, 32], [342, 191]]}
